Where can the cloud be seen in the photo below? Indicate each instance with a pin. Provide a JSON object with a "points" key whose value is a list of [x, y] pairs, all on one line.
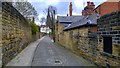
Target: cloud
{"points": [[61, 5], [37, 23], [52, 2], [40, 16], [74, 13], [46, 2], [78, 3], [95, 0]]}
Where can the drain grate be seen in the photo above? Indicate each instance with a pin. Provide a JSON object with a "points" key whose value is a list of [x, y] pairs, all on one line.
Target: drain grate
{"points": [[57, 61]]}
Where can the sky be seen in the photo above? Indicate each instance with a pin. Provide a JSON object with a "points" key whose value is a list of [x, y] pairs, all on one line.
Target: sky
{"points": [[61, 5]]}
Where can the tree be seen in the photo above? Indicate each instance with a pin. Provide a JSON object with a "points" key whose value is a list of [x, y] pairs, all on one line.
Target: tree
{"points": [[26, 9], [51, 12]]}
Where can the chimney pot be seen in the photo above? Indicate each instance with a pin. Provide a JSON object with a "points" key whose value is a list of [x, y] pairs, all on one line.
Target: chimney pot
{"points": [[88, 3]]}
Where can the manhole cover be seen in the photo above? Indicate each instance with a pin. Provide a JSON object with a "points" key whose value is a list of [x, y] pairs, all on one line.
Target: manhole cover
{"points": [[57, 61]]}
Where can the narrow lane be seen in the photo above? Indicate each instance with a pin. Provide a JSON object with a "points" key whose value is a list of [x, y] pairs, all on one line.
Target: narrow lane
{"points": [[50, 54]]}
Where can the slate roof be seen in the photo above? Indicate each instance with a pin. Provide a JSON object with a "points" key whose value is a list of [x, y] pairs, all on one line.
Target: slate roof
{"points": [[86, 20], [70, 19]]}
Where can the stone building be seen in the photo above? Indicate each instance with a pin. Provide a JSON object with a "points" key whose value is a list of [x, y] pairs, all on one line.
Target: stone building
{"points": [[78, 33], [81, 35], [96, 40], [63, 22], [109, 39]]}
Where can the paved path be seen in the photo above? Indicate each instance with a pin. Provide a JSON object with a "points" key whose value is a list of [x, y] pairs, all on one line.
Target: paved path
{"points": [[50, 54], [25, 57]]}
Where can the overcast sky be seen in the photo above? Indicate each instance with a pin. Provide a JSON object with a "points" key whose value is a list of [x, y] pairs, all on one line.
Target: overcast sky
{"points": [[62, 6]]}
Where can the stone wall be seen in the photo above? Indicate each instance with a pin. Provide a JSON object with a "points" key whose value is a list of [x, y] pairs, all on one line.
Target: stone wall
{"points": [[86, 42], [36, 36], [78, 41], [16, 32], [111, 28], [0, 35]]}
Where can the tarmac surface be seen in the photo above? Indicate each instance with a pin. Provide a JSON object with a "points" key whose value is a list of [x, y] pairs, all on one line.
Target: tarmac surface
{"points": [[48, 53]]}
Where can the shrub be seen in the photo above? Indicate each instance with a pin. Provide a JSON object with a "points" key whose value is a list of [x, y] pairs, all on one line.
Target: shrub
{"points": [[34, 28]]}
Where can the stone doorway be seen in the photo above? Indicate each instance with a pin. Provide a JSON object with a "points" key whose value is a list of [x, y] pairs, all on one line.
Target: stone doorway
{"points": [[107, 44]]}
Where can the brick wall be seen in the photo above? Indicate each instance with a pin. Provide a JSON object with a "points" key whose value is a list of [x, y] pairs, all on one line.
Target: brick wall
{"points": [[16, 32], [108, 7]]}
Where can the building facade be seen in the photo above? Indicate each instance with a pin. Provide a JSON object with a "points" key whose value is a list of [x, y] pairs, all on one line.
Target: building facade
{"points": [[109, 38], [80, 36], [93, 36], [108, 7]]}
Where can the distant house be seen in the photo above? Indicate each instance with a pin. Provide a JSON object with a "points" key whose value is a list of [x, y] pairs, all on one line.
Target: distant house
{"points": [[67, 26], [63, 22], [45, 29]]}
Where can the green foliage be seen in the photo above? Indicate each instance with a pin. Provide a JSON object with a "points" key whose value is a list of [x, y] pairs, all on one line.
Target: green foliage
{"points": [[51, 33], [34, 28]]}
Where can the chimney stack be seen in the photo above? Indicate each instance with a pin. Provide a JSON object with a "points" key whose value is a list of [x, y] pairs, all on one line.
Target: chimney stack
{"points": [[70, 9], [88, 3], [93, 5]]}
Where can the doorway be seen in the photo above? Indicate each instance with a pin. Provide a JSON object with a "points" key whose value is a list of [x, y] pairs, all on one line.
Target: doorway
{"points": [[107, 44]]}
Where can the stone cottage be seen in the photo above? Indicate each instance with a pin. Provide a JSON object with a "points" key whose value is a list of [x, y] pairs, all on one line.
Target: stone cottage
{"points": [[63, 22], [81, 36]]}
